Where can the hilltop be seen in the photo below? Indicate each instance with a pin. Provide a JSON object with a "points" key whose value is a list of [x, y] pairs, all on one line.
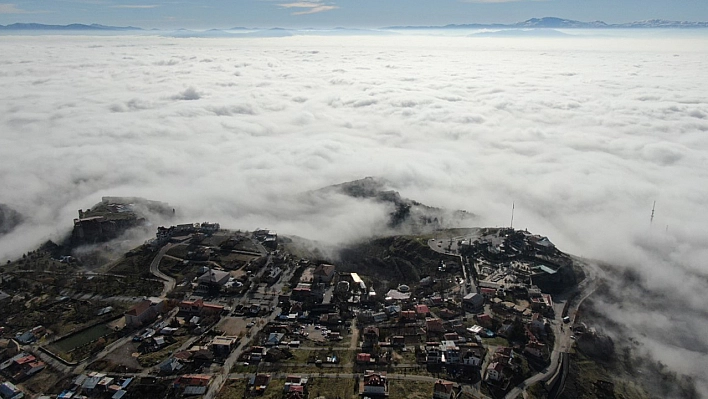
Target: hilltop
{"points": [[407, 215]]}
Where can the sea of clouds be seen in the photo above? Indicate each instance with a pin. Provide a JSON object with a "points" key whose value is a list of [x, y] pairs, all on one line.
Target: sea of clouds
{"points": [[582, 134]]}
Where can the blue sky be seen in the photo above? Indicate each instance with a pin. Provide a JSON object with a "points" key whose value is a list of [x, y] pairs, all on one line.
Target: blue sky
{"points": [[333, 13]]}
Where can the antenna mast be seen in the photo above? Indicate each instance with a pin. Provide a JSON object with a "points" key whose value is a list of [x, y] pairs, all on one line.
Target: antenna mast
{"points": [[652, 213], [512, 215]]}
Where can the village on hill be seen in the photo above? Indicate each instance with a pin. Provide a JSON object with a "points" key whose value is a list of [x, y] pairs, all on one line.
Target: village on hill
{"points": [[200, 311]]}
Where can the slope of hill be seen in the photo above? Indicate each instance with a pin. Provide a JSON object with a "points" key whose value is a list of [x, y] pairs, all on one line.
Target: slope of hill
{"points": [[406, 216]]}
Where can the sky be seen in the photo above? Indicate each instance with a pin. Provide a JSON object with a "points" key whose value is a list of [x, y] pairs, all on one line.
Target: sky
{"points": [[224, 14]]}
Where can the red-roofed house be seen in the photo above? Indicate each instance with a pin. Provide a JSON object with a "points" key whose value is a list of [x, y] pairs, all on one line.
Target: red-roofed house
{"points": [[434, 325], [485, 320], [443, 389], [363, 358], [408, 315], [374, 384], [200, 307], [140, 314], [495, 371], [200, 380], [422, 311]]}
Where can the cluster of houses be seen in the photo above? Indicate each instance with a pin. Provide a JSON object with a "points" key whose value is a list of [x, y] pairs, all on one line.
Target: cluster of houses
{"points": [[96, 385], [21, 366], [503, 365], [165, 234]]}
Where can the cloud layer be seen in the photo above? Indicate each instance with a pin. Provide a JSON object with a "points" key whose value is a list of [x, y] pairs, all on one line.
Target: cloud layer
{"points": [[583, 134]]}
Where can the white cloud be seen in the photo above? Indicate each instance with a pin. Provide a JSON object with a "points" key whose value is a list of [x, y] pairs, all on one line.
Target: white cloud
{"points": [[498, 1], [136, 6], [582, 134], [310, 7], [10, 8]]}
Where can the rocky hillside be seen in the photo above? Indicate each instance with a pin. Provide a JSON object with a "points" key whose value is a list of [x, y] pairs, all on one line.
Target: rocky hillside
{"points": [[406, 216]]}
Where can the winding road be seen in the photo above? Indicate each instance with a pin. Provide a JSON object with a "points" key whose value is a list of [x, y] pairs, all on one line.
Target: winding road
{"points": [[168, 282], [563, 342]]}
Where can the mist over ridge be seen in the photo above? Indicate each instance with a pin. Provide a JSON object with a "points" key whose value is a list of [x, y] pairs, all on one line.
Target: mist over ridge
{"points": [[581, 134]]}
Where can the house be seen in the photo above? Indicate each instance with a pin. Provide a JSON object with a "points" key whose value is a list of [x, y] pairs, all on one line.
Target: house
{"points": [[212, 280], [255, 354], [199, 307], [472, 355], [222, 346], [495, 371], [363, 358], [371, 337], [31, 336], [8, 390], [433, 354], [485, 320], [503, 355], [393, 310], [374, 384], [170, 365], [209, 228], [274, 339], [295, 383], [379, 317], [323, 273], [535, 348], [443, 390], [451, 336], [22, 366], [142, 313], [408, 316], [301, 292], [192, 384], [398, 341], [542, 244], [272, 275], [260, 382], [473, 302], [451, 352], [434, 325], [422, 311], [90, 384]]}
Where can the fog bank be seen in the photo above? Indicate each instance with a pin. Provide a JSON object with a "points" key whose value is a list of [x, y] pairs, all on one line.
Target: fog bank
{"points": [[582, 134]]}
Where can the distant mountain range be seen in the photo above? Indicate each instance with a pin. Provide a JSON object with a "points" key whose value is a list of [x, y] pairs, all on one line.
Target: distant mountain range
{"points": [[533, 23], [73, 27], [561, 23]]}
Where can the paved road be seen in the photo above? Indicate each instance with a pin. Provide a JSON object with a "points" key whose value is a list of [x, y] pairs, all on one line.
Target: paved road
{"points": [[168, 282]]}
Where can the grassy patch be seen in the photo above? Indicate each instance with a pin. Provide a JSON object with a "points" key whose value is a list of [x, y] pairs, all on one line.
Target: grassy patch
{"points": [[407, 389], [151, 359], [343, 388], [233, 389], [497, 341]]}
